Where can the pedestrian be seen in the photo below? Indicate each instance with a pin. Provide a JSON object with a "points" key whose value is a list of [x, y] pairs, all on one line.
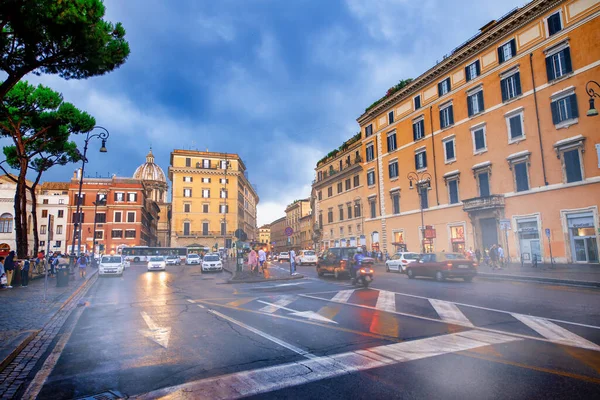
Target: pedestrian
{"points": [[253, 261], [292, 262], [500, 255], [3, 278], [25, 271], [470, 253], [262, 259], [53, 264], [9, 268], [494, 256], [82, 265], [478, 256]]}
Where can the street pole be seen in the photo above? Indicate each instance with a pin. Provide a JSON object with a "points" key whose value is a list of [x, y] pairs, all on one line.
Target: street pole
{"points": [[420, 180], [422, 220], [225, 209]]}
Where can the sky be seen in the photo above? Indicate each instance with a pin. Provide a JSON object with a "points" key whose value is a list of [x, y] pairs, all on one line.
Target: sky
{"points": [[279, 82]]}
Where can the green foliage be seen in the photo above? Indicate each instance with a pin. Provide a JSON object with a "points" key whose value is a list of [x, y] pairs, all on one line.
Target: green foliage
{"points": [[65, 37], [400, 85]]}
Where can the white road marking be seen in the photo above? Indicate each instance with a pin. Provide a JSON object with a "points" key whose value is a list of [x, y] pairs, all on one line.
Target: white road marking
{"points": [[386, 301], [265, 380], [280, 285], [201, 306], [158, 334], [280, 303], [449, 312], [555, 333], [191, 301], [305, 314], [342, 296]]}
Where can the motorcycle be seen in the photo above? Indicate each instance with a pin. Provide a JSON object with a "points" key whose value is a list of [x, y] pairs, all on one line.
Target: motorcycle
{"points": [[364, 275]]}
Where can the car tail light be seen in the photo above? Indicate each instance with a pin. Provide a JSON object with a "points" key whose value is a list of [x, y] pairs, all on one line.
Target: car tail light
{"points": [[404, 262], [475, 265], [449, 265]]}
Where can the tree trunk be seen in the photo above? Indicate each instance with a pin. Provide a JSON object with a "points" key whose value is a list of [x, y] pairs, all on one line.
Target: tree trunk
{"points": [[21, 211], [8, 84], [36, 239]]}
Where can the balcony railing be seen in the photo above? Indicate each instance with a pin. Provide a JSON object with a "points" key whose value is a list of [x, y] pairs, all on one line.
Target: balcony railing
{"points": [[333, 171], [203, 234], [483, 203]]}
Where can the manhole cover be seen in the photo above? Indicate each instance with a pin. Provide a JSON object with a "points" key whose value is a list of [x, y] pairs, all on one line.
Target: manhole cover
{"points": [[108, 395]]}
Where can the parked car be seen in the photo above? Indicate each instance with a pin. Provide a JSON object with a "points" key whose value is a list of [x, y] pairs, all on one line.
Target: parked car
{"points": [[172, 260], [157, 263], [442, 265], [399, 261], [212, 262], [284, 256], [193, 259], [338, 260], [111, 265], [307, 257]]}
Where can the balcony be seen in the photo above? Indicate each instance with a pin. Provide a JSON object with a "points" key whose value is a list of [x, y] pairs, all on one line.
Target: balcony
{"points": [[331, 172], [483, 203], [201, 234]]}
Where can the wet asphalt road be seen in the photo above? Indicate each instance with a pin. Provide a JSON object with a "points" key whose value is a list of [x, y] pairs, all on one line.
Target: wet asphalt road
{"points": [[147, 332]]}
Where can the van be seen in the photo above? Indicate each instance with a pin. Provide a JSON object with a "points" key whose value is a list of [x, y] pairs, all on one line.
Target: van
{"points": [[336, 261]]}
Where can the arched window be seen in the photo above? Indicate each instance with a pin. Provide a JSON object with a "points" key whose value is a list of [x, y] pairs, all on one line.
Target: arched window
{"points": [[6, 223]]}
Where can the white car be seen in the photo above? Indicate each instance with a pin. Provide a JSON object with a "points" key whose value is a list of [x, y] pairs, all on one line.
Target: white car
{"points": [[193, 259], [157, 263], [284, 256], [307, 257], [111, 265], [172, 260], [212, 262], [399, 261]]}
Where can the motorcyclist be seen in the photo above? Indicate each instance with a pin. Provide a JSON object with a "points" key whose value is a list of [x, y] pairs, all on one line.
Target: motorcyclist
{"points": [[358, 257]]}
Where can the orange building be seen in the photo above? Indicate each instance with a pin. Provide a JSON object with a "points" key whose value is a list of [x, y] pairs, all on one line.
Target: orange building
{"points": [[499, 141]]}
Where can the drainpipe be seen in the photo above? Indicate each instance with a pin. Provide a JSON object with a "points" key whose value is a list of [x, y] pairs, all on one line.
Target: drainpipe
{"points": [[437, 198], [537, 116]]}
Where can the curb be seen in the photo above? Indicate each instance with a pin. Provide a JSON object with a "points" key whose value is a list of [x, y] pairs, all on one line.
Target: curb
{"points": [[538, 279]]}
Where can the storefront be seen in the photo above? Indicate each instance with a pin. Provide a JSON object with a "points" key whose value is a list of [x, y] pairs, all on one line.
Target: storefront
{"points": [[528, 234], [582, 235], [398, 241], [457, 238], [375, 241], [352, 242], [343, 243]]}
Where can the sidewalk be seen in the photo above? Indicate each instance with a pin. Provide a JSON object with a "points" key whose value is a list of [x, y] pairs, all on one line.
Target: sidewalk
{"points": [[274, 272], [570, 274], [23, 312]]}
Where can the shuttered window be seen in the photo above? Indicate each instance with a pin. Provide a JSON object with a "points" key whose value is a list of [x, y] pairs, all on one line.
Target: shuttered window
{"points": [[446, 116], [572, 165], [564, 109], [511, 86], [472, 70], [419, 129], [507, 51], [554, 24], [475, 103], [559, 64]]}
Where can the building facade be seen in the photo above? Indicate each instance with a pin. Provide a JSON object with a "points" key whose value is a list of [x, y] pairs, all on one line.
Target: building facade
{"points": [[498, 140], [279, 240], [339, 197], [264, 234], [211, 198], [306, 241], [53, 200], [294, 212], [7, 216]]}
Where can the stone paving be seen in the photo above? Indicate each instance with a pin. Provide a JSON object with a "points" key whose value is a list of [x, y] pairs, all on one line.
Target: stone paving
{"points": [[24, 310]]}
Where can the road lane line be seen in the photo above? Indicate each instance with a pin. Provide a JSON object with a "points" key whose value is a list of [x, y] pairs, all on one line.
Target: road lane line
{"points": [[281, 303], [555, 333], [240, 302], [386, 301], [342, 296], [269, 379], [201, 306], [449, 312], [191, 301]]}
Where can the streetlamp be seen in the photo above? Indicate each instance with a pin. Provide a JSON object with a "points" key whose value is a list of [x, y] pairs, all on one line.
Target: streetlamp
{"points": [[224, 228], [423, 181], [100, 200], [76, 223], [592, 112]]}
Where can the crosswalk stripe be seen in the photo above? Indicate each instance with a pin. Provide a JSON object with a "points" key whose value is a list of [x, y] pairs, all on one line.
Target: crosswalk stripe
{"points": [[386, 301], [449, 312], [342, 296], [555, 333], [280, 303]]}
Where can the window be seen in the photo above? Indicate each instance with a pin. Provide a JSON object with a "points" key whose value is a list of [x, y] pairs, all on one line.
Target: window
{"points": [[223, 228], [130, 216], [370, 178], [348, 184], [559, 63], [82, 198], [511, 86], [119, 196], [419, 129], [205, 228], [224, 180], [60, 214], [44, 213], [59, 229], [514, 124], [453, 190], [223, 164], [396, 202], [564, 109], [80, 219], [421, 160], [417, 101], [349, 210], [391, 141], [61, 201], [340, 187], [391, 117], [187, 192], [370, 152], [132, 197], [206, 193], [205, 180], [205, 208], [100, 218], [373, 206], [58, 243], [320, 220], [320, 195], [341, 210], [116, 234], [45, 201], [130, 234], [6, 223], [444, 87], [187, 179], [99, 235], [369, 130], [554, 24], [483, 179], [223, 194], [393, 169], [330, 215], [446, 116], [42, 243], [521, 176], [117, 216], [205, 163], [507, 51], [223, 208], [43, 229], [341, 230], [329, 191], [423, 195], [449, 153], [475, 103], [572, 163], [472, 70], [357, 180], [357, 210], [479, 141], [188, 162], [187, 207], [186, 228]]}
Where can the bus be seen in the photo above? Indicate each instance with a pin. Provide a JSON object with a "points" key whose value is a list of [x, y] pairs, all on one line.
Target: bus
{"points": [[141, 253]]}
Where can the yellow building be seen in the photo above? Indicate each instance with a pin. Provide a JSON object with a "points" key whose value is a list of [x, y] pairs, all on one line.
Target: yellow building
{"points": [[264, 234], [338, 195], [211, 198], [293, 213], [279, 240], [498, 137], [306, 240]]}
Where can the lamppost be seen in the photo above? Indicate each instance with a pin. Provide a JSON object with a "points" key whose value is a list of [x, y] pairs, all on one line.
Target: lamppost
{"points": [[226, 166], [100, 200], [77, 224], [592, 112], [423, 181]]}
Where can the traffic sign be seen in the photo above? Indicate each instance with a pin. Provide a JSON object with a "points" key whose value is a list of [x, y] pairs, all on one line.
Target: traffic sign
{"points": [[289, 231], [505, 224], [548, 232]]}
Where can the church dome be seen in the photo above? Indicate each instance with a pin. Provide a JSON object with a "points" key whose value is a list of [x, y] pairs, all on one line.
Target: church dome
{"points": [[149, 171]]}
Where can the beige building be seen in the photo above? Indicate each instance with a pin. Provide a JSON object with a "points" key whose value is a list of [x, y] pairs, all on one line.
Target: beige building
{"points": [[279, 240], [211, 199], [338, 197], [264, 234], [306, 232], [293, 213]]}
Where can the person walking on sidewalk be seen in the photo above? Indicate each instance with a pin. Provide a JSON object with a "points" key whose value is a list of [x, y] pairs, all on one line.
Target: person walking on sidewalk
{"points": [[9, 267], [253, 261], [262, 259], [82, 265], [2, 273], [292, 262], [500, 251], [25, 271], [494, 256]]}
